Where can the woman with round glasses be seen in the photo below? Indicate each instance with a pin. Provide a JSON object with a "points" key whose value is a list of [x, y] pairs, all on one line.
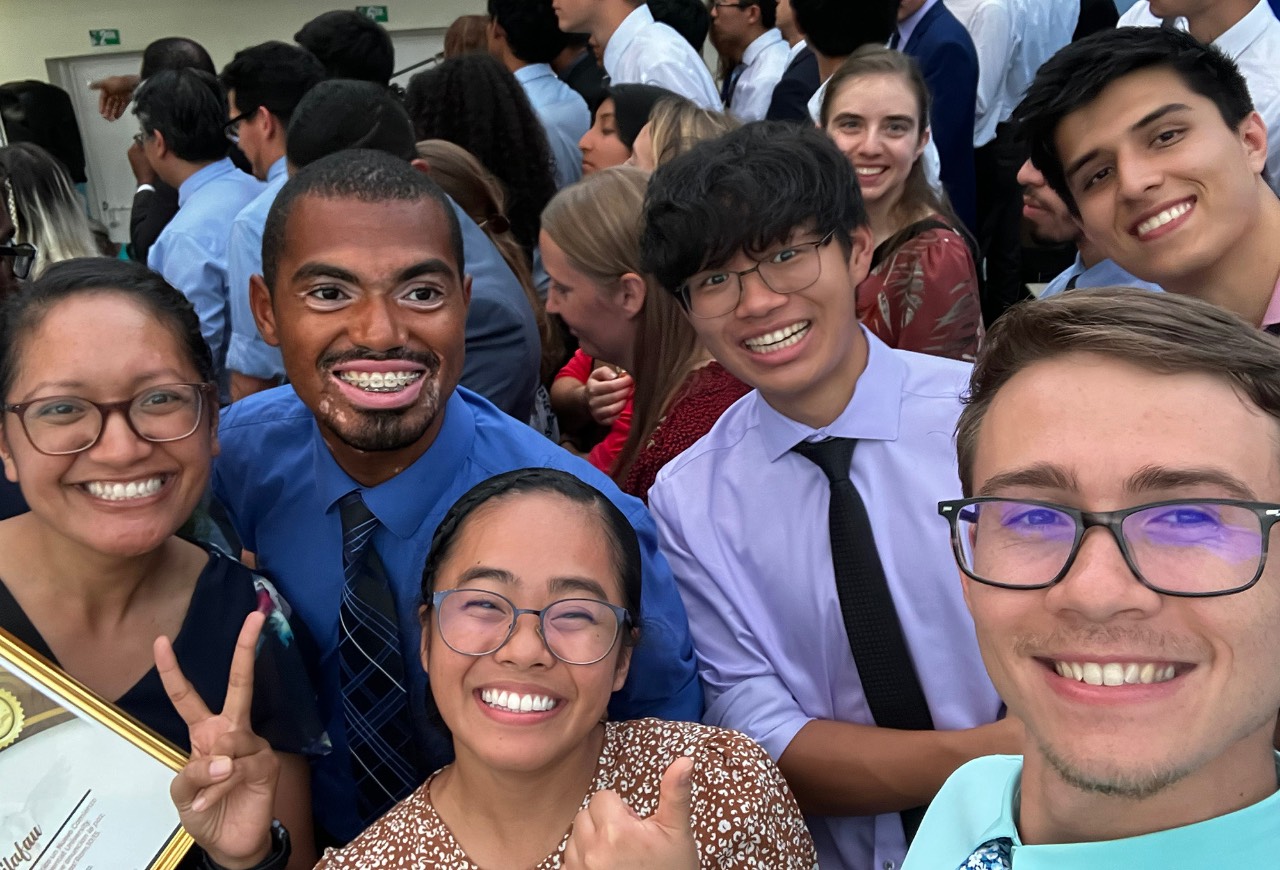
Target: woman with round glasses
{"points": [[922, 291], [531, 592], [109, 421]]}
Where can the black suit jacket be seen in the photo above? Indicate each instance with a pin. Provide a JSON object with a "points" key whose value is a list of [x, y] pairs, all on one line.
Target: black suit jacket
{"points": [[791, 95]]}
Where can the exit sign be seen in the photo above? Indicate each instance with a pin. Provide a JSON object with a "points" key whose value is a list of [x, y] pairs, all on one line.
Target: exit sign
{"points": [[373, 13], [106, 36]]}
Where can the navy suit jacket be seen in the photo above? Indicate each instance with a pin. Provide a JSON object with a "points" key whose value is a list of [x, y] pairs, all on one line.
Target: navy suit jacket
{"points": [[793, 91], [946, 55]]}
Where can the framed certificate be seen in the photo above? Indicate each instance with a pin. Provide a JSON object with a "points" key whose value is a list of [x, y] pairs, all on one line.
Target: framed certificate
{"points": [[82, 785]]}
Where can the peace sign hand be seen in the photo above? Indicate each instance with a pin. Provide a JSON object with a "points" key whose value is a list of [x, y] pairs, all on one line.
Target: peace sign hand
{"points": [[226, 793]]}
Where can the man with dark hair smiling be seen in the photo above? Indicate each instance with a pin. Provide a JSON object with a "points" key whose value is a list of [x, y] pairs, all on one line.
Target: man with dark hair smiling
{"points": [[1118, 459], [338, 480], [1151, 139], [821, 594]]}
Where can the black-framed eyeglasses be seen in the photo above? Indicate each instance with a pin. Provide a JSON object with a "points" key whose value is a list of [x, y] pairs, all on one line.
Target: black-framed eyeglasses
{"points": [[787, 269], [1193, 548], [59, 425], [23, 256], [232, 128], [577, 631]]}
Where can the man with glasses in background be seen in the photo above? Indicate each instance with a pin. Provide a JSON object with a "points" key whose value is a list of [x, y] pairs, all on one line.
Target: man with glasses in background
{"points": [[1118, 458], [821, 594]]}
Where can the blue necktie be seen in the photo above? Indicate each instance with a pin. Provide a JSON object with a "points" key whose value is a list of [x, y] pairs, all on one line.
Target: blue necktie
{"points": [[994, 854], [375, 698]]}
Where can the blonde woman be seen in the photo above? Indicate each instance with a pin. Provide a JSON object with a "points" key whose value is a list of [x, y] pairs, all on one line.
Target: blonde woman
{"points": [[676, 125], [45, 209]]}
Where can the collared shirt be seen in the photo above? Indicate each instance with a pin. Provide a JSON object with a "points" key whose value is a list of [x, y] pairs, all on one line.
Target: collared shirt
{"points": [[191, 253], [908, 27], [1104, 273], [978, 803], [281, 486], [247, 353], [649, 52], [1272, 315], [1013, 39], [1253, 43], [743, 522], [564, 115], [763, 64]]}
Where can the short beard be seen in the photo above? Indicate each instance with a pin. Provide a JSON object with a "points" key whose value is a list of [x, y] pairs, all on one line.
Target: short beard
{"points": [[1130, 787], [377, 431]]}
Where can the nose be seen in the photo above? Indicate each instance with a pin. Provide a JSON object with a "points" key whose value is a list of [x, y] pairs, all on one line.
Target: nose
{"points": [[1100, 585], [375, 323], [118, 444], [525, 647], [757, 299], [584, 144], [1029, 176], [553, 301], [1135, 174]]}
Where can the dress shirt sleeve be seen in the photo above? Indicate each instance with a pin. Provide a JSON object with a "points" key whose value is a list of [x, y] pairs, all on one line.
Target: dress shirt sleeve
{"points": [[247, 352], [689, 79], [664, 680], [499, 363], [743, 689], [992, 31], [192, 268]]}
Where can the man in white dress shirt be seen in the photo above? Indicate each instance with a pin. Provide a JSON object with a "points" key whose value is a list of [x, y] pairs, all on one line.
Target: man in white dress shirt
{"points": [[745, 32], [637, 49], [1246, 31]]}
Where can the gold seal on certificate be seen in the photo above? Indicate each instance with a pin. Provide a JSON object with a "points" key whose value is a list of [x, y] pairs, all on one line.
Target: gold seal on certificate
{"points": [[84, 785]]}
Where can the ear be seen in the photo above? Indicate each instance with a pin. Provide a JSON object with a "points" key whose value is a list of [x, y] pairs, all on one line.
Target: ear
{"points": [[624, 665], [271, 125], [863, 246], [161, 146], [753, 13], [631, 296], [421, 164], [924, 140], [424, 645], [10, 468], [214, 447], [1253, 135], [264, 312]]}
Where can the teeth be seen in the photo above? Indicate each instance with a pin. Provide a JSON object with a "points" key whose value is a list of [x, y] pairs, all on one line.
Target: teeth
{"points": [[1114, 673], [380, 382], [778, 339], [1163, 218], [514, 702], [870, 170], [110, 491]]}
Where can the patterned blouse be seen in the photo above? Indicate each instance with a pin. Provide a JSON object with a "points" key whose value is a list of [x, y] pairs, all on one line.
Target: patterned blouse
{"points": [[743, 812], [922, 295]]}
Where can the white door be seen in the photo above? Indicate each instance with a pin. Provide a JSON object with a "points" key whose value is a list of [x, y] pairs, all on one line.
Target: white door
{"points": [[111, 183], [413, 46]]}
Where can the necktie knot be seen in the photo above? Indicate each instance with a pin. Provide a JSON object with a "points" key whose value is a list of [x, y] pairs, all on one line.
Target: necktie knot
{"points": [[832, 456]]}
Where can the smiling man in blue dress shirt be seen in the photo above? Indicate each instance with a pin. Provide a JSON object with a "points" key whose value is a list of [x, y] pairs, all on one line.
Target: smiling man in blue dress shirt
{"points": [[1119, 447], [744, 520]]}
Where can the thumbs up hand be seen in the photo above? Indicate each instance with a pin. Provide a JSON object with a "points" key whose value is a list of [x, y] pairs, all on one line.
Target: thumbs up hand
{"points": [[609, 835]]}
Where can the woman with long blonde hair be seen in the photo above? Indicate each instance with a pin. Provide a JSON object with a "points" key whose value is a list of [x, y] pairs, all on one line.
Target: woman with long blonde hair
{"points": [[45, 209]]}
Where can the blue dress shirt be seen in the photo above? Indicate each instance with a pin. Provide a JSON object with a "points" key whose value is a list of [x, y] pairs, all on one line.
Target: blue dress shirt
{"points": [[1105, 273], [743, 522], [191, 253], [281, 486], [978, 803], [247, 353], [564, 115]]}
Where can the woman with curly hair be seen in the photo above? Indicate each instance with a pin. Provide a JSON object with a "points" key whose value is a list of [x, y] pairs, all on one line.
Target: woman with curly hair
{"points": [[474, 102]]}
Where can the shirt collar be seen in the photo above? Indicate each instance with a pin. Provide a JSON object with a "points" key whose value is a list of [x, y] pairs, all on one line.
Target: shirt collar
{"points": [[908, 27], [203, 176], [532, 71], [639, 19], [763, 41], [279, 168], [873, 413], [795, 50], [1273, 308], [1246, 31], [403, 502]]}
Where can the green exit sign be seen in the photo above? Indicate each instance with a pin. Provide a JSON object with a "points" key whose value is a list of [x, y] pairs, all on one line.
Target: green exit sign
{"points": [[373, 13], [106, 36]]}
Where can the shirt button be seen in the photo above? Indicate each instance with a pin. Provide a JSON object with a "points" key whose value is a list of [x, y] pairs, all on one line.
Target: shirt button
{"points": [[887, 865]]}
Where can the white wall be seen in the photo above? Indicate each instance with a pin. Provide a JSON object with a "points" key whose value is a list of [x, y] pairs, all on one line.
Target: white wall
{"points": [[33, 31]]}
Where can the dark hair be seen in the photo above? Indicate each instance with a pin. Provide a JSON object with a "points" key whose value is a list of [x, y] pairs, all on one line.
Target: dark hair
{"points": [[274, 74], [174, 52], [21, 313], [359, 174], [619, 533], [1076, 75], [340, 114], [689, 18], [531, 27], [189, 108], [835, 28], [632, 105], [350, 45], [1167, 333], [474, 102], [747, 190]]}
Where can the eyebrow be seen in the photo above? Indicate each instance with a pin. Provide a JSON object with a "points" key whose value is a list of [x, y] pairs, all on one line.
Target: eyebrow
{"points": [[433, 266], [557, 584], [1145, 121], [134, 383], [1042, 475], [1155, 477]]}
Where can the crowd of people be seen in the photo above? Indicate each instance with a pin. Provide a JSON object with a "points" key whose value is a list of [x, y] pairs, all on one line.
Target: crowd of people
{"points": [[578, 458]]}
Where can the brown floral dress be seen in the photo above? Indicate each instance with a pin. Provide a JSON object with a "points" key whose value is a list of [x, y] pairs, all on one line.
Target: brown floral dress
{"points": [[744, 815]]}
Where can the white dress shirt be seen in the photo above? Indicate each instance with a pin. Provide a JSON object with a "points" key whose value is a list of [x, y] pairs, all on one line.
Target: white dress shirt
{"points": [[1253, 43], [647, 52], [764, 62]]}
